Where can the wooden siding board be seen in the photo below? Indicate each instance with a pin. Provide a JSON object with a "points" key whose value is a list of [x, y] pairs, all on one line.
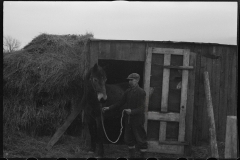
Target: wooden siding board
{"points": [[197, 106], [216, 86], [94, 49], [230, 85], [234, 82], [203, 115], [209, 64], [223, 93], [122, 51], [190, 105], [104, 49]]}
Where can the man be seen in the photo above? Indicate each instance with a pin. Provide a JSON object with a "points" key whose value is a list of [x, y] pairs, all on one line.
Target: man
{"points": [[134, 99]]}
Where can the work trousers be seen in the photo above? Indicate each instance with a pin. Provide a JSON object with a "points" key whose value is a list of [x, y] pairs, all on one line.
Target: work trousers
{"points": [[135, 135]]}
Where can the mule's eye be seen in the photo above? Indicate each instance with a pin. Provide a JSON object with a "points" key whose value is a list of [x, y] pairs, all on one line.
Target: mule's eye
{"points": [[94, 79]]}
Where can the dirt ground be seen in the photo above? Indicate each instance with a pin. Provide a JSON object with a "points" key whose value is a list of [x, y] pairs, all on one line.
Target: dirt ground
{"points": [[23, 146]]}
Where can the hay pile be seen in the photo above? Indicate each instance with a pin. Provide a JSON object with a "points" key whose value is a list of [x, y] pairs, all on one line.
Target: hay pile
{"points": [[40, 79]]}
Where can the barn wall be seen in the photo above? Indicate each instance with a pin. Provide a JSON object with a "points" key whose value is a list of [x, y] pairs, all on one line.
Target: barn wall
{"points": [[219, 60]]}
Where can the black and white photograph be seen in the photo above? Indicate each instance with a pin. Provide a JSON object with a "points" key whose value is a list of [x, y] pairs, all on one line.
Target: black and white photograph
{"points": [[120, 79]]}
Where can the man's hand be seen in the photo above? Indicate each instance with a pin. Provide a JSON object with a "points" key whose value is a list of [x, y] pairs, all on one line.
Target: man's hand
{"points": [[128, 111], [105, 109]]}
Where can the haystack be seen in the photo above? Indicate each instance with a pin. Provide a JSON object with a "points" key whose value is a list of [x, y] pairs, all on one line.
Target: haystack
{"points": [[41, 79]]}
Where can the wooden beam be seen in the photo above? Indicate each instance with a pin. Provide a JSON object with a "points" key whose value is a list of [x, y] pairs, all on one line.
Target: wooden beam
{"points": [[154, 146], [190, 106], [69, 120], [213, 141], [165, 83], [176, 67], [165, 92], [163, 116], [231, 137], [184, 88], [146, 81], [174, 143], [168, 51]]}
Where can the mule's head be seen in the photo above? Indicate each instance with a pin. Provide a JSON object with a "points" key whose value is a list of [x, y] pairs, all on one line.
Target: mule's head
{"points": [[98, 79]]}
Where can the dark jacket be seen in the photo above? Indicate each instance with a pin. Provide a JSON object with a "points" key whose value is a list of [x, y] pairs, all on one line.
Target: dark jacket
{"points": [[134, 99]]}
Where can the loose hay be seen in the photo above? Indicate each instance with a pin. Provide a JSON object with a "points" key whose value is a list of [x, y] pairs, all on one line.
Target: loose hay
{"points": [[40, 79]]}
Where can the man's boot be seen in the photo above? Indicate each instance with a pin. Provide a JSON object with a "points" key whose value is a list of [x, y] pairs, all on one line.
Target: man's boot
{"points": [[132, 153]]}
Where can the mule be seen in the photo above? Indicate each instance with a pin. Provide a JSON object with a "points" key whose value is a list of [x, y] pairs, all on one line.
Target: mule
{"points": [[91, 102], [94, 98]]}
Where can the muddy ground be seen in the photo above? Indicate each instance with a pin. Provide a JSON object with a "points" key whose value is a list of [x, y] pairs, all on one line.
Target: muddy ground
{"points": [[21, 145]]}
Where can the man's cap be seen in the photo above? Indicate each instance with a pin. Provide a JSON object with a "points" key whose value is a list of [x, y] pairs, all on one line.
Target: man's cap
{"points": [[133, 76]]}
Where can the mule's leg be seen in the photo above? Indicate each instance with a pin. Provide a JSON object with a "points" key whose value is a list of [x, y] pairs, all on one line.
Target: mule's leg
{"points": [[100, 135], [93, 134]]}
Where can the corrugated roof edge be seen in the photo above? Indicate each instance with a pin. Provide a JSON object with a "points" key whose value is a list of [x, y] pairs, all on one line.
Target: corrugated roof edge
{"points": [[198, 43]]}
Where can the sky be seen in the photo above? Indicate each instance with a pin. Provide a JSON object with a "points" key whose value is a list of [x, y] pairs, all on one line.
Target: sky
{"points": [[203, 22]]}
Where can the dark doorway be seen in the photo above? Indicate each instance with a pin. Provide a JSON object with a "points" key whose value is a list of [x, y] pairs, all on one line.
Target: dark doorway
{"points": [[118, 70]]}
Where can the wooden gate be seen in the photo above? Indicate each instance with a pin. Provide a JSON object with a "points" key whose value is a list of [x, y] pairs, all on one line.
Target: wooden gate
{"points": [[166, 79]]}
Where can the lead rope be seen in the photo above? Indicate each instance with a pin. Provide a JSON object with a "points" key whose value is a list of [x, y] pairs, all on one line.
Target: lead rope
{"points": [[105, 130]]}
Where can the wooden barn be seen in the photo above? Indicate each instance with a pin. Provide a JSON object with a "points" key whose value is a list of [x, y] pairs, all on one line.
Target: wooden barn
{"points": [[172, 76]]}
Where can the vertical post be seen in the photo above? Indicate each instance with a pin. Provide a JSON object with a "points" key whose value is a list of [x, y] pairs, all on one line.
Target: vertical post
{"points": [[213, 142], [147, 76], [231, 137]]}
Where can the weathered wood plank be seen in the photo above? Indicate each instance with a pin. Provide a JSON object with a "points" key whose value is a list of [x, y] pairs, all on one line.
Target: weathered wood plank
{"points": [[174, 143], [203, 115], [184, 88], [232, 110], [176, 67], [168, 51], [234, 82], [163, 116], [197, 109], [213, 141], [223, 94], [154, 146], [231, 137], [93, 58], [146, 82], [190, 105], [121, 50], [215, 83], [165, 84], [165, 92]]}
